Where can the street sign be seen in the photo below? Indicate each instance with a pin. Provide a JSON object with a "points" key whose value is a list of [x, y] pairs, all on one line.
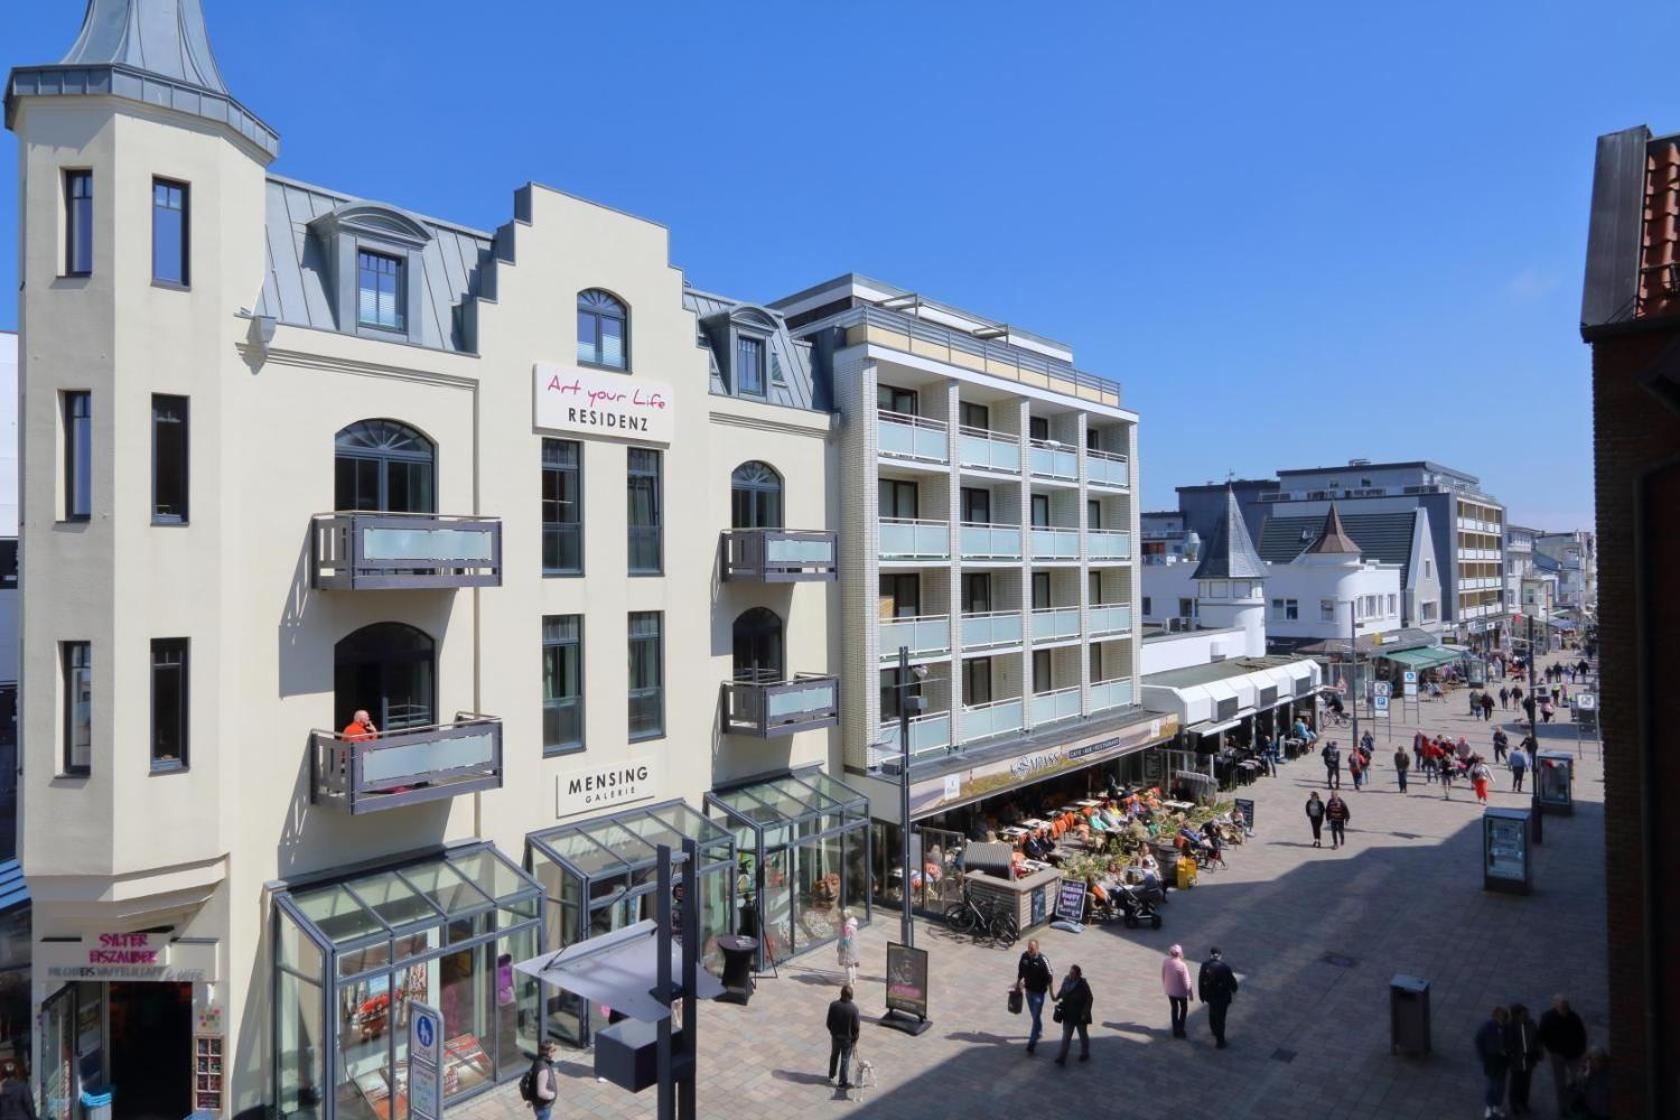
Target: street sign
{"points": [[1379, 702], [1409, 676], [1381, 688], [425, 1062], [1411, 689], [1586, 701]]}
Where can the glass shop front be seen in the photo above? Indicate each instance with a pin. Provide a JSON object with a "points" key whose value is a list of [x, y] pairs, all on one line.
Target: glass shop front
{"points": [[602, 875], [351, 955]]}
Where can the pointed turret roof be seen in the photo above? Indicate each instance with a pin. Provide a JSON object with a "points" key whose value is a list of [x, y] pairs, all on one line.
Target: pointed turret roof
{"points": [[1333, 539], [1232, 554]]}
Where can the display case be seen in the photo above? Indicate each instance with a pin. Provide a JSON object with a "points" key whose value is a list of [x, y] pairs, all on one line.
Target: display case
{"points": [[1554, 781], [1505, 856]]}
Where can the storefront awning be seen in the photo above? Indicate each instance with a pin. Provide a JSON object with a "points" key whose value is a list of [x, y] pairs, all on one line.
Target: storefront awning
{"points": [[791, 806], [1216, 728], [1423, 658], [618, 970], [14, 891]]}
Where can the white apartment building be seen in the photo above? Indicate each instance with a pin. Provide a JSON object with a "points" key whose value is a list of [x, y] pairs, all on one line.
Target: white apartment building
{"points": [[1573, 557]]}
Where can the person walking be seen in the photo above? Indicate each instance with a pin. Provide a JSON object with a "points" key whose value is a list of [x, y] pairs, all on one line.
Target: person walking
{"points": [[1490, 1049], [843, 1022], [1564, 1038], [1356, 768], [1216, 985], [1402, 763], [1175, 981], [1519, 765], [16, 1101], [1332, 756], [539, 1088], [1074, 1001], [1501, 744], [1315, 817], [1480, 776], [1487, 707], [1336, 812], [1034, 976], [1447, 767], [1522, 1052], [1504, 697], [1418, 740], [846, 948]]}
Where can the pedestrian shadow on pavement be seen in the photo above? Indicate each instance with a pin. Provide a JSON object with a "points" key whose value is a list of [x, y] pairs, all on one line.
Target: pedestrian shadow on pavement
{"points": [[984, 1038], [798, 1077], [1138, 1030]]}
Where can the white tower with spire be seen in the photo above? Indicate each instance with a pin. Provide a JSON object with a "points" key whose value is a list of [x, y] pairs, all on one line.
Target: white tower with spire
{"points": [[1230, 580]]}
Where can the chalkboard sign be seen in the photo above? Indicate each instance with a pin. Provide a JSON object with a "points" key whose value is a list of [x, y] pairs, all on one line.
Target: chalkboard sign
{"points": [[1040, 905], [1245, 810], [907, 980], [1070, 901]]}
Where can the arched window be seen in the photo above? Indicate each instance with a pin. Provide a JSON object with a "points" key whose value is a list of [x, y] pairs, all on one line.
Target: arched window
{"points": [[386, 669], [758, 645], [755, 497], [603, 330], [384, 466]]}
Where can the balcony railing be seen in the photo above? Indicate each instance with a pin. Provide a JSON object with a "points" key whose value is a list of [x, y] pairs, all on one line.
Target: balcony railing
{"points": [[903, 539], [1109, 544], [989, 541], [1105, 468], [924, 635], [1110, 618], [779, 555], [763, 705], [930, 732], [1051, 624], [354, 551], [988, 450], [1054, 544], [991, 629], [1111, 694], [996, 718], [407, 767], [903, 436], [1062, 703], [1049, 459]]}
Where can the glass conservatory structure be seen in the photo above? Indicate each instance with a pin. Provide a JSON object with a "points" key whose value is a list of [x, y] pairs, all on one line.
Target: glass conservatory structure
{"points": [[600, 875], [802, 844], [350, 955]]}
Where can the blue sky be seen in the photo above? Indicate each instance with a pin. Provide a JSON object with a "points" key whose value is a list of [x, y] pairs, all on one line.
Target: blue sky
{"points": [[1296, 233]]}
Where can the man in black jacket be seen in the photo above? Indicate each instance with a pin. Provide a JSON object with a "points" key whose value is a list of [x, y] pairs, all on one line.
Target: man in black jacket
{"points": [[1216, 984], [843, 1023], [1034, 976], [1564, 1038], [1332, 756]]}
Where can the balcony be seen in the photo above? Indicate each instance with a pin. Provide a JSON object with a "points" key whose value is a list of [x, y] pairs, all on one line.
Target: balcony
{"points": [[1111, 694], [767, 707], [996, 718], [1055, 624], [1105, 468], [779, 555], [1109, 544], [903, 436], [988, 541], [987, 450], [991, 630], [927, 635], [1048, 707], [1049, 459], [1110, 618], [930, 732], [1054, 544], [353, 551], [407, 767], [904, 539]]}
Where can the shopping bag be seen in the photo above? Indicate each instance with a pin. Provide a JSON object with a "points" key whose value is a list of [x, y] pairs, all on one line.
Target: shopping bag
{"points": [[1056, 1016], [1015, 1001]]}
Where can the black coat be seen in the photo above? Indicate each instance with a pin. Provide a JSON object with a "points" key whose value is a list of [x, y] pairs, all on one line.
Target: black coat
{"points": [[1522, 1044], [1076, 1000], [1490, 1048], [1564, 1035], [843, 1020], [1216, 983], [1034, 975], [16, 1101]]}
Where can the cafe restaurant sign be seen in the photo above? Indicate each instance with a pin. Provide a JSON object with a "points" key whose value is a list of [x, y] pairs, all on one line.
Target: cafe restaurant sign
{"points": [[127, 956], [997, 775], [589, 788], [603, 404]]}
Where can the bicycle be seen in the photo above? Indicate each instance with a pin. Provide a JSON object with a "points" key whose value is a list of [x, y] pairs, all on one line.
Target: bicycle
{"points": [[1333, 718], [996, 921]]}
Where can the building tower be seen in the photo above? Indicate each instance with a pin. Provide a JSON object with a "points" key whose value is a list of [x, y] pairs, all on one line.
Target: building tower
{"points": [[1230, 580]]}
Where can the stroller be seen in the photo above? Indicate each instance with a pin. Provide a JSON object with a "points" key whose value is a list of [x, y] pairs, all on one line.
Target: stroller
{"points": [[1137, 904]]}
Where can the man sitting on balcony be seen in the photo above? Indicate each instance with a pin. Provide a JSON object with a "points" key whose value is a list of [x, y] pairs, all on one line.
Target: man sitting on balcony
{"points": [[360, 727]]}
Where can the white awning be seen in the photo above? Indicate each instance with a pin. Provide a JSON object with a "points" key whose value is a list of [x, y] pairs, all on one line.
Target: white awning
{"points": [[618, 969]]}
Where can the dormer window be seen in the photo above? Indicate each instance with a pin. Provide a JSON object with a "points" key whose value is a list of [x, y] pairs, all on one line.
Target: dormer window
{"points": [[603, 334], [749, 364], [380, 298]]}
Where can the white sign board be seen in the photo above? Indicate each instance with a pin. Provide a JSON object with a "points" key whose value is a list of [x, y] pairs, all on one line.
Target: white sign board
{"points": [[589, 788], [603, 404], [1410, 688], [1586, 701], [1379, 702], [1381, 688], [425, 1062], [1409, 676]]}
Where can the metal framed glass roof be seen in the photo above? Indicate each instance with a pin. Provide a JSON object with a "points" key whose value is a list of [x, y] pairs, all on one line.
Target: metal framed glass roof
{"points": [[628, 841], [803, 798]]}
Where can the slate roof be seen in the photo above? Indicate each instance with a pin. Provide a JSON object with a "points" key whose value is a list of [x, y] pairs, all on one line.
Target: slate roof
{"points": [[1232, 554], [295, 283], [1384, 537], [1332, 538], [789, 381]]}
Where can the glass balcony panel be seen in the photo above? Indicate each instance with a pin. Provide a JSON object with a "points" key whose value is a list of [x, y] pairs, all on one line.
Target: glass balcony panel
{"points": [[996, 718], [1107, 470], [915, 540], [988, 451], [911, 437], [1055, 544], [1063, 703], [925, 635], [990, 541], [1053, 460], [998, 628], [1111, 618], [1055, 623], [407, 767], [1109, 544], [931, 732], [1111, 694]]}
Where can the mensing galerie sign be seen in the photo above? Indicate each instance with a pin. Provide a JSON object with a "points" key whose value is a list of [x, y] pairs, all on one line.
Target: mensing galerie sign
{"points": [[603, 404]]}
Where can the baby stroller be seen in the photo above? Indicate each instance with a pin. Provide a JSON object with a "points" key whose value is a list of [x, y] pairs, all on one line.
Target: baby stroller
{"points": [[1137, 904]]}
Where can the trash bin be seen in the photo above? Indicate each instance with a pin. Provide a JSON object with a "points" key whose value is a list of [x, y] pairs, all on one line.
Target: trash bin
{"points": [[739, 954], [96, 1105], [1408, 1014]]}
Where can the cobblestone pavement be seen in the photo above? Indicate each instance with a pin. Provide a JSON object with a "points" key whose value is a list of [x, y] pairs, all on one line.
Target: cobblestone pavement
{"points": [[1308, 1036]]}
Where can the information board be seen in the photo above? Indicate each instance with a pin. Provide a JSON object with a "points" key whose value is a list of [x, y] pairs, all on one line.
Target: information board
{"points": [[1379, 702], [907, 980], [1411, 689], [1070, 901], [425, 1062], [1408, 676], [1381, 688], [1245, 810]]}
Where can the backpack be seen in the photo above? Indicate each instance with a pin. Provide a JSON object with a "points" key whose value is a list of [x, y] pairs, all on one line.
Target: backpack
{"points": [[528, 1084]]}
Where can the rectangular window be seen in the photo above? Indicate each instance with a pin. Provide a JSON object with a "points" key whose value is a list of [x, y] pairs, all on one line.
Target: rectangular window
{"points": [[749, 364], [1093, 513], [890, 398], [898, 499], [976, 505], [1277, 608], [977, 681], [170, 238], [169, 460], [901, 595], [647, 676], [1291, 610], [977, 592], [1043, 678], [1186, 608], [892, 694], [562, 669], [380, 296], [644, 514], [1393, 604], [76, 659], [1038, 427], [1041, 510], [1327, 610], [78, 456], [1093, 587], [1148, 606], [974, 415], [562, 507], [78, 223], [1041, 591], [169, 703], [1096, 663]]}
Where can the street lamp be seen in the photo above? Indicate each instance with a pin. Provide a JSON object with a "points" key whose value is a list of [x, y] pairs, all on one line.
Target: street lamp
{"points": [[909, 704]]}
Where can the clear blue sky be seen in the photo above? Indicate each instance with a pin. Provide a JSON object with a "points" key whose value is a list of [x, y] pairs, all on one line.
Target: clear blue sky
{"points": [[1295, 232]]}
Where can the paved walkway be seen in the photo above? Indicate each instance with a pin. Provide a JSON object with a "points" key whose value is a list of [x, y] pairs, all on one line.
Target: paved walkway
{"points": [[1309, 1034]]}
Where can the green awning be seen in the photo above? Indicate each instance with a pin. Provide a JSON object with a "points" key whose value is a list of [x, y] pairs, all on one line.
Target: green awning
{"points": [[1423, 658]]}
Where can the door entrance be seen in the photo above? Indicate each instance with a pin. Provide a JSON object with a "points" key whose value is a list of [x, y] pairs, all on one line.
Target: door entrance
{"points": [[151, 1050]]}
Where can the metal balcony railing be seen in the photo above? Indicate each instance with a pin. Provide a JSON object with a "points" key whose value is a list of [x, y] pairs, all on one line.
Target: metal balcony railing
{"points": [[764, 705], [1111, 694], [1050, 459], [982, 721], [989, 541], [408, 767], [355, 551], [779, 555], [925, 635], [1105, 468], [903, 436], [991, 629], [904, 539], [1110, 618], [1061, 703], [1108, 544], [987, 450]]}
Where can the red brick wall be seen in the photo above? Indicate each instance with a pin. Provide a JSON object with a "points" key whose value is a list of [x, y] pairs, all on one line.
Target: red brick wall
{"points": [[1635, 435]]}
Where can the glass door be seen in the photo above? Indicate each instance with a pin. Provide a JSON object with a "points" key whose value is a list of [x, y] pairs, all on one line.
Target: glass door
{"points": [[58, 1054]]}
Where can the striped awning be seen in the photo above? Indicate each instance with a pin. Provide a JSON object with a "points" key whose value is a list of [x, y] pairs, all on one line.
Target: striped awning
{"points": [[14, 891]]}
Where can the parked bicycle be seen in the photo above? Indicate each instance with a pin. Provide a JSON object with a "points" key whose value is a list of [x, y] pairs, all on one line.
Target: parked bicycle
{"points": [[992, 920]]}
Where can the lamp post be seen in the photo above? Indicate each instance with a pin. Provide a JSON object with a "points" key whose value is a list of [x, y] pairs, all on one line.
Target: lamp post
{"points": [[908, 703]]}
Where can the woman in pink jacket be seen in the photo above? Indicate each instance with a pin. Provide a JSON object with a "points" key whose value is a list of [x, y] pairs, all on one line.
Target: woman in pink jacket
{"points": [[1175, 981]]}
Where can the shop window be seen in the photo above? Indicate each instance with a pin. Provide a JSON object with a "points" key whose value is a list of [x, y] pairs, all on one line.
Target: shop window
{"points": [[562, 507], [78, 223], [383, 466], [755, 497], [170, 722], [647, 675], [76, 660], [169, 460], [644, 513], [170, 233], [77, 409], [603, 330], [757, 641], [562, 654]]}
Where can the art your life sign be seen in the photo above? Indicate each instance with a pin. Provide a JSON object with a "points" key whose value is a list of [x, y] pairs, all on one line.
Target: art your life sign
{"points": [[603, 404]]}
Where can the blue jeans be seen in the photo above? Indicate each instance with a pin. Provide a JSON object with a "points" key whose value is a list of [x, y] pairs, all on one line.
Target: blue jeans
{"points": [[1035, 1005], [545, 1111]]}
